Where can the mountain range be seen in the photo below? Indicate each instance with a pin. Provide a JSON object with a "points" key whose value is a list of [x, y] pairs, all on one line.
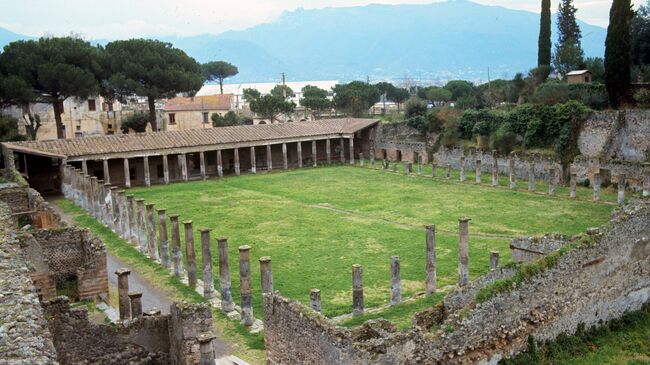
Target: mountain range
{"points": [[426, 42]]}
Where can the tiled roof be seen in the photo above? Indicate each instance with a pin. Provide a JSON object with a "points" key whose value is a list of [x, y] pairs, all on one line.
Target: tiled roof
{"points": [[160, 141], [577, 72], [210, 102]]}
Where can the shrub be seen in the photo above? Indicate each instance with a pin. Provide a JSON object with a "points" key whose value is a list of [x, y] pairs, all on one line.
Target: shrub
{"points": [[415, 107], [503, 140], [642, 97], [137, 122], [551, 92], [593, 95], [229, 119], [420, 123]]}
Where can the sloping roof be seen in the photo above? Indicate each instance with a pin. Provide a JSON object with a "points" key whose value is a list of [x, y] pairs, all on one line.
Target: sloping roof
{"points": [[264, 87], [143, 143], [577, 72], [210, 102]]}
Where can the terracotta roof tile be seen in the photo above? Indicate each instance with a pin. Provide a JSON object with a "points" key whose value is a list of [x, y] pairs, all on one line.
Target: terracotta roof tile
{"points": [[169, 140]]}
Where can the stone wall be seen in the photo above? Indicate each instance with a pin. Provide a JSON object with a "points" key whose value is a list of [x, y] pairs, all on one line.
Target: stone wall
{"points": [[526, 249], [24, 335], [186, 322], [594, 283]]}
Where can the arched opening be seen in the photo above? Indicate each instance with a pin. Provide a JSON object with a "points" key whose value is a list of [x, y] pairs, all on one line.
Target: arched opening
{"points": [[262, 122]]}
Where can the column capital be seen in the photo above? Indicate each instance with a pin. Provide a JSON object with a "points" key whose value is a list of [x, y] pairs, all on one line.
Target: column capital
{"points": [[122, 271]]}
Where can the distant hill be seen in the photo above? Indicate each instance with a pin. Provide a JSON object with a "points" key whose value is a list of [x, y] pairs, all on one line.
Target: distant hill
{"points": [[430, 42], [7, 36]]}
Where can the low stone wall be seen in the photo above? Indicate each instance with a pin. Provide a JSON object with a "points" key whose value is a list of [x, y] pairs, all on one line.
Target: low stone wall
{"points": [[592, 284], [186, 322], [526, 249], [24, 335]]}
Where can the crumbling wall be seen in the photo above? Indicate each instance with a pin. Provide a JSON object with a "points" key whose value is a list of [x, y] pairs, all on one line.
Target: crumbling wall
{"points": [[150, 332], [186, 322], [591, 284], [24, 335], [526, 249]]}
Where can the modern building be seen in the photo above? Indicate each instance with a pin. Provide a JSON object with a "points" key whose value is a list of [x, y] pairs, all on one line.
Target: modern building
{"points": [[181, 113], [181, 155]]}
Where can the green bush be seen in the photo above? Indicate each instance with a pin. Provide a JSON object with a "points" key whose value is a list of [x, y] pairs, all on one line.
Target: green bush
{"points": [[229, 119], [551, 92], [503, 140], [137, 122], [642, 97], [419, 122], [593, 95], [415, 107]]}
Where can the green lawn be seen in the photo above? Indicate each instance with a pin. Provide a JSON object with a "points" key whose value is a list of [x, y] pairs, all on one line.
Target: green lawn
{"points": [[316, 223]]}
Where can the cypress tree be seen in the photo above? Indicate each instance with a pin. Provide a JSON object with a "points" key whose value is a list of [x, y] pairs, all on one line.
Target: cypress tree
{"points": [[568, 51], [618, 51], [544, 43]]}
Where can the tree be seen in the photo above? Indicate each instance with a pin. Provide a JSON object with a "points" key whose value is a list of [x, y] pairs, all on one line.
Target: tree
{"points": [[356, 97], [544, 42], [439, 94], [597, 67], [618, 58], [398, 95], [568, 51], [219, 71], [270, 106], [9, 129], [229, 119], [150, 68], [459, 88], [15, 91], [415, 107], [137, 122], [282, 91], [641, 36], [315, 99], [250, 94], [54, 69]]}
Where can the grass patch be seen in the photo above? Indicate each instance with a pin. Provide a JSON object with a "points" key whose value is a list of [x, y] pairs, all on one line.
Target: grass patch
{"points": [[400, 315], [622, 341], [316, 223]]}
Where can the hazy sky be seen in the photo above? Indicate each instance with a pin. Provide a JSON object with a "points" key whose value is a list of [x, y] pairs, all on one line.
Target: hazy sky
{"points": [[130, 18]]}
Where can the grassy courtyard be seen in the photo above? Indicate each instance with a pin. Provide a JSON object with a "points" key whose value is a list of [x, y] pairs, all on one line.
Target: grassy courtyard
{"points": [[316, 223]]}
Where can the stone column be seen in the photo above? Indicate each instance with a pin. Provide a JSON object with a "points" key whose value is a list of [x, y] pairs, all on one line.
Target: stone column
{"points": [[621, 188], [190, 254], [511, 171], [434, 168], [395, 281], [205, 348], [495, 168], [96, 197], [314, 300], [142, 225], [165, 169], [430, 267], [299, 149], [177, 256], [448, 172], [136, 304], [328, 151], [419, 165], [551, 181], [147, 173], [90, 181], [314, 156], [162, 238], [395, 167], [107, 173], [463, 252], [130, 207], [253, 162], [494, 260], [227, 304], [478, 171], [266, 275], [462, 169], [202, 164], [127, 173], [646, 179], [182, 161], [219, 164], [115, 210], [84, 167], [237, 172], [123, 221], [372, 158], [123, 293], [269, 157], [285, 160], [531, 176], [151, 233], [597, 186], [206, 261], [352, 150], [357, 290], [573, 183], [245, 286], [108, 206]]}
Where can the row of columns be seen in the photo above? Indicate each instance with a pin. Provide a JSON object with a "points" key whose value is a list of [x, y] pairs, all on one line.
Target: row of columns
{"points": [[552, 177], [182, 162]]}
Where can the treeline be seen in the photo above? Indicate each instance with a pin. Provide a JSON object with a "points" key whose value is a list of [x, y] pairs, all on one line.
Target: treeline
{"points": [[52, 69]]}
